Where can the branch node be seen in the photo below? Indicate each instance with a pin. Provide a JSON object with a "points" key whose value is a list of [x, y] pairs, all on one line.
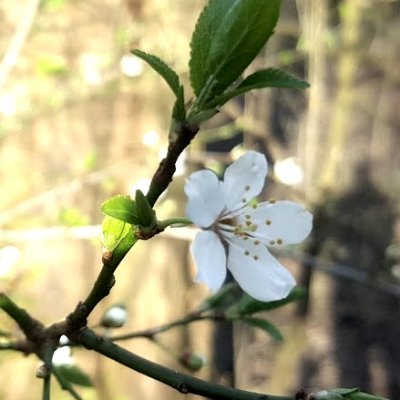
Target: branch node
{"points": [[182, 387]]}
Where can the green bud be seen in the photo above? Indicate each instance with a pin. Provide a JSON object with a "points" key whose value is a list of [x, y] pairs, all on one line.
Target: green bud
{"points": [[192, 361], [146, 215]]}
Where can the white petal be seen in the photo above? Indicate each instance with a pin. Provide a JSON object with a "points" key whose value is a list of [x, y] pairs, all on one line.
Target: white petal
{"points": [[257, 272], [205, 198], [244, 179], [210, 257], [283, 222]]}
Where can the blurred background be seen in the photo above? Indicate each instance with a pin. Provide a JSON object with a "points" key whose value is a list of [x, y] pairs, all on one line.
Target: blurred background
{"points": [[81, 120]]}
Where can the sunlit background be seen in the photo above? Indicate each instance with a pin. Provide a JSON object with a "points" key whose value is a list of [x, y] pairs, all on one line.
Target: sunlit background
{"points": [[82, 119]]}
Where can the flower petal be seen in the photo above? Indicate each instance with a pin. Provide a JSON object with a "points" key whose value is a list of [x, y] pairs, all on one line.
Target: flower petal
{"points": [[283, 222], [210, 257], [257, 272], [244, 179], [205, 198]]}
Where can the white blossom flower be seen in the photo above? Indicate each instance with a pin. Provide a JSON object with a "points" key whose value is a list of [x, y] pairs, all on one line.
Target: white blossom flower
{"points": [[234, 234]]}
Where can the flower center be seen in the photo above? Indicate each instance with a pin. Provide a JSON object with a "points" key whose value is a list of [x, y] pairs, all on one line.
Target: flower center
{"points": [[231, 226]]}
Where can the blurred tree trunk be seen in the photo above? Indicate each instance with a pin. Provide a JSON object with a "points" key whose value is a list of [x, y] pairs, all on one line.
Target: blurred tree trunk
{"points": [[313, 16], [334, 155]]}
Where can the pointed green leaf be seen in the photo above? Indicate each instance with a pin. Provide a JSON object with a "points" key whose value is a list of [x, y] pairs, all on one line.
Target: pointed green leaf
{"points": [[363, 396], [266, 326], [114, 230], [344, 391], [179, 111], [73, 374], [121, 207], [261, 79], [271, 77], [146, 215], [202, 116], [224, 296], [243, 31], [248, 305], [206, 26], [162, 69]]}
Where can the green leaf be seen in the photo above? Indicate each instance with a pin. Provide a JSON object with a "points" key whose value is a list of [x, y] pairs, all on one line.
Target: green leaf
{"points": [[224, 296], [179, 111], [121, 207], [114, 230], [162, 69], [146, 215], [73, 374], [266, 326], [344, 391], [209, 21], [248, 305], [202, 116], [124, 245], [261, 79], [363, 396], [242, 33]]}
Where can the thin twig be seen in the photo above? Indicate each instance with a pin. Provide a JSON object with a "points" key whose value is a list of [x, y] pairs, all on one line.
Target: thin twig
{"points": [[17, 42], [149, 333]]}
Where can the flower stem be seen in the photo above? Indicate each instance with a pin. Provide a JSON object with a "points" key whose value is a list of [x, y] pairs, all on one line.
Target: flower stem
{"points": [[46, 388], [181, 221]]}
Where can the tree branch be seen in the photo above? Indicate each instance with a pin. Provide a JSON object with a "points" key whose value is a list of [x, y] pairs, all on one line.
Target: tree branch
{"points": [[183, 383], [30, 326], [166, 169]]}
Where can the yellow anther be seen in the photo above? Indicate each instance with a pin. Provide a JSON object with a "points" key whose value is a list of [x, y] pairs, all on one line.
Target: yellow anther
{"points": [[254, 206], [268, 222], [256, 242], [253, 228], [279, 241], [248, 223], [272, 200]]}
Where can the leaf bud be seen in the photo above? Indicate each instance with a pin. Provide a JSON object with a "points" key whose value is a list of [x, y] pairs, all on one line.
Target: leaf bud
{"points": [[146, 215], [42, 372], [192, 361]]}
